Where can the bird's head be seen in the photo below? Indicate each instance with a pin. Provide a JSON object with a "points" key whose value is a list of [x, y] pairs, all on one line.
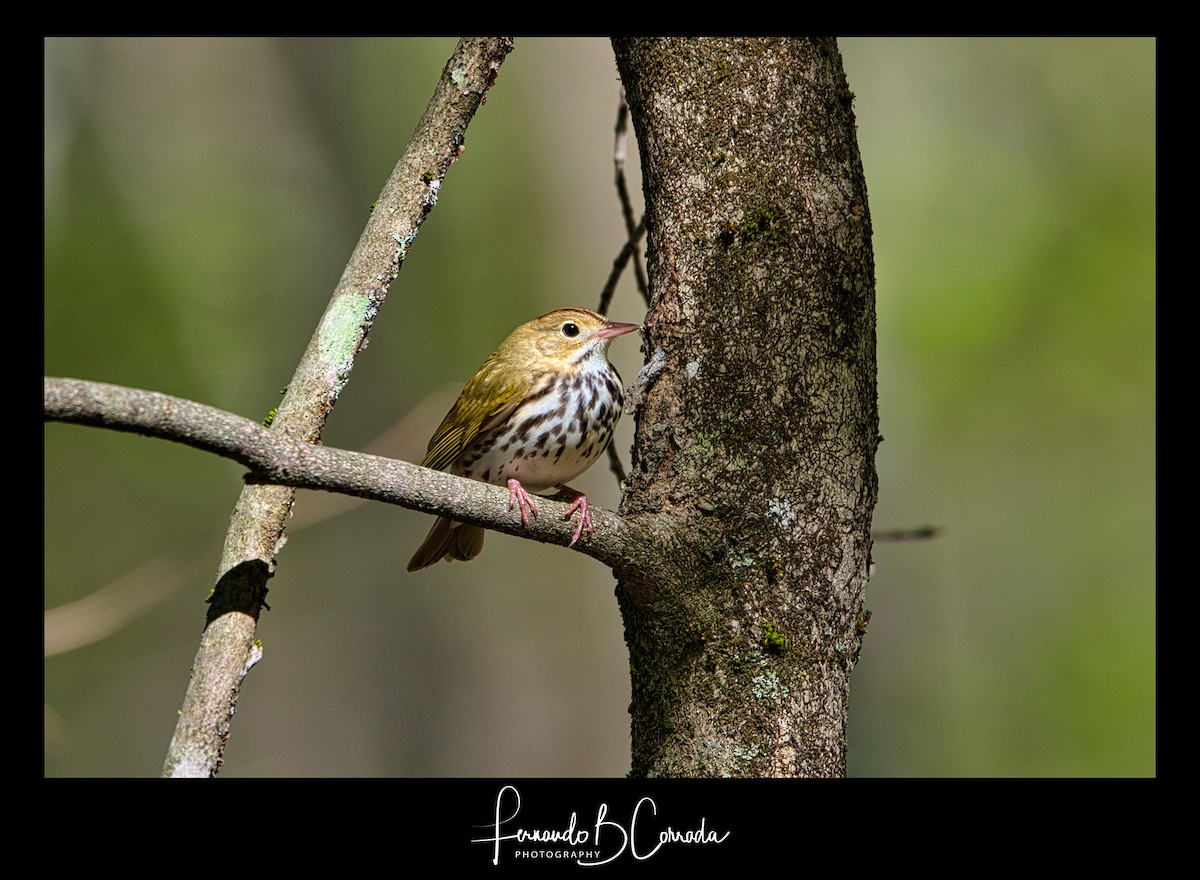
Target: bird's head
{"points": [[563, 338]]}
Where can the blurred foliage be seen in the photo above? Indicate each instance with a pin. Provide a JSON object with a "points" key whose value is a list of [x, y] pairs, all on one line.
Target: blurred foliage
{"points": [[1012, 187], [201, 199]]}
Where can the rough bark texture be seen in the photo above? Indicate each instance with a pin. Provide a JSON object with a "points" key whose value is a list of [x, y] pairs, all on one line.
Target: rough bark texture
{"points": [[758, 425]]}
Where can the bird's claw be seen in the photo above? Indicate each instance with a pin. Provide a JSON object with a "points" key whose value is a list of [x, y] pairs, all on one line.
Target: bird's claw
{"points": [[524, 501], [521, 499], [578, 504]]}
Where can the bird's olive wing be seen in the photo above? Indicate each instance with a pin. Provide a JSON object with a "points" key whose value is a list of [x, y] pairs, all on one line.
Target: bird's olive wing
{"points": [[487, 400]]}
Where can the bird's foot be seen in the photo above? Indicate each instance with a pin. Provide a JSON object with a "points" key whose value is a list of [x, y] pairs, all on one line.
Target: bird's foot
{"points": [[578, 503], [524, 501]]}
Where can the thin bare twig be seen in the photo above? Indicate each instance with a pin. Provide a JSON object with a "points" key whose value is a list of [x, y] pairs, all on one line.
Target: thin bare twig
{"points": [[635, 231], [921, 533], [628, 251], [620, 137], [614, 464]]}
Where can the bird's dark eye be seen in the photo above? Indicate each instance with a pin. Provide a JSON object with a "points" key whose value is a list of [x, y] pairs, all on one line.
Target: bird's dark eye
{"points": [[570, 329]]}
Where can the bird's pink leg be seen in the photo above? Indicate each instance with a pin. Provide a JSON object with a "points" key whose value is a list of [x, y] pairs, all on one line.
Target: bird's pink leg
{"points": [[518, 496], [578, 502]]}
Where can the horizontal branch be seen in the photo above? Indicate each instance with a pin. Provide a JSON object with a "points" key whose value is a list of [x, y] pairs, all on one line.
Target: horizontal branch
{"points": [[274, 457]]}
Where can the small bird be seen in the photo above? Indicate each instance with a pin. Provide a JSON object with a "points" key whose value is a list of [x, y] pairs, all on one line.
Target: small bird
{"points": [[538, 413]]}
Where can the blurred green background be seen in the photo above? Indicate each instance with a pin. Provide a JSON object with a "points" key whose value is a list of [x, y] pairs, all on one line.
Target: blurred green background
{"points": [[201, 200]]}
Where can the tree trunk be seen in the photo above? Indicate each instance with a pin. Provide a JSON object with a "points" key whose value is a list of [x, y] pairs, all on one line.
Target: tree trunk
{"points": [[757, 427]]}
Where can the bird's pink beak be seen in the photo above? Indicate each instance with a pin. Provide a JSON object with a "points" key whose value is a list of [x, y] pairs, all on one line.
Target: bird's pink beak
{"points": [[615, 328]]}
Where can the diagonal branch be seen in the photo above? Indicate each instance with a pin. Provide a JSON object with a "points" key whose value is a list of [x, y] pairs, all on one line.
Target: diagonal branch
{"points": [[276, 459], [116, 604]]}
